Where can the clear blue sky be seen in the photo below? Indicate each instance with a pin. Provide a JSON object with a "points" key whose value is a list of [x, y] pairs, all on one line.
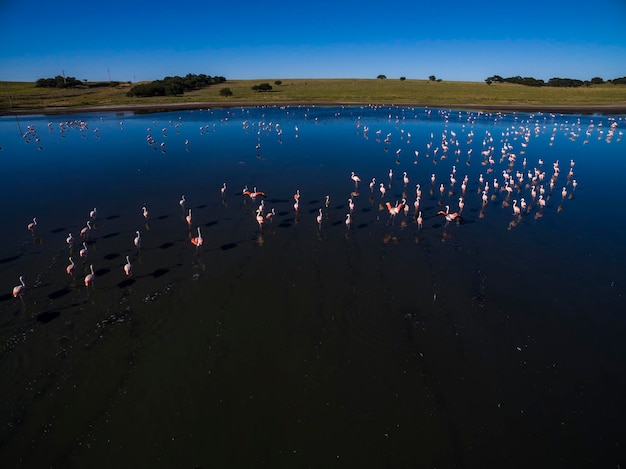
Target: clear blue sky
{"points": [[453, 40]]}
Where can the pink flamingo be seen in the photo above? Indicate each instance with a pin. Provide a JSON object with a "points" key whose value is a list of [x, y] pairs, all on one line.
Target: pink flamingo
{"points": [[70, 268], [19, 289], [128, 267], [31, 226], [449, 216], [197, 241], [137, 240], [356, 179], [90, 277]]}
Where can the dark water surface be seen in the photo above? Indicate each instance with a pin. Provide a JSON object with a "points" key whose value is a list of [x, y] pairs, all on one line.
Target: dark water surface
{"points": [[499, 338]]}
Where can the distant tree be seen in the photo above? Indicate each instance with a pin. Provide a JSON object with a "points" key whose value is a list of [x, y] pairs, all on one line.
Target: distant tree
{"points": [[262, 87], [432, 78], [174, 86], [226, 92], [58, 82], [564, 82], [489, 81], [619, 81], [381, 77], [402, 78], [495, 79], [278, 82], [597, 81]]}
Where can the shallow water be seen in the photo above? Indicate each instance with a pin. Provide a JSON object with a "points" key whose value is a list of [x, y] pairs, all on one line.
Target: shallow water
{"points": [[382, 344]]}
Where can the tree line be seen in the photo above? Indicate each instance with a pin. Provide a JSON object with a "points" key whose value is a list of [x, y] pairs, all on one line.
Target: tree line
{"points": [[174, 86], [557, 82], [58, 82]]}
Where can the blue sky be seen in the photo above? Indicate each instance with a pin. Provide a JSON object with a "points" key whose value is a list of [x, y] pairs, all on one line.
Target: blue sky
{"points": [[453, 40]]}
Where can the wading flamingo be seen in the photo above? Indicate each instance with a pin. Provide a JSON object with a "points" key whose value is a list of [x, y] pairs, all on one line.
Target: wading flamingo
{"points": [[198, 240], [89, 277], [19, 289], [128, 268], [449, 216], [356, 179], [137, 240], [70, 268]]}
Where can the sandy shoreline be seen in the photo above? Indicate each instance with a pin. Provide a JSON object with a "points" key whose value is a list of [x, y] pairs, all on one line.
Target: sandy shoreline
{"points": [[161, 107]]}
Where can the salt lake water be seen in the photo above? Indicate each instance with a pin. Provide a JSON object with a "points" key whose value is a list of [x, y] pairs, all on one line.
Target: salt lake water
{"points": [[496, 337]]}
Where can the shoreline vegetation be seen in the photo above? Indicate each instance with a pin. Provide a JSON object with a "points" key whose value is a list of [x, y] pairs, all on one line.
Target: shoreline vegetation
{"points": [[23, 98]]}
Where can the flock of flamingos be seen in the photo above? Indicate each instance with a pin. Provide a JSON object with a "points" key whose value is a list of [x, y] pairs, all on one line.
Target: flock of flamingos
{"points": [[523, 187]]}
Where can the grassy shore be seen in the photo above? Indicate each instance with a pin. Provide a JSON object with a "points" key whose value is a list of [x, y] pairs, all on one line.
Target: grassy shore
{"points": [[20, 97]]}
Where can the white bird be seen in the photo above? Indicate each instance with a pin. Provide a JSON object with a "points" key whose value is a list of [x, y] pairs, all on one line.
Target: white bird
{"points": [[127, 267], [89, 277], [19, 289], [137, 240]]}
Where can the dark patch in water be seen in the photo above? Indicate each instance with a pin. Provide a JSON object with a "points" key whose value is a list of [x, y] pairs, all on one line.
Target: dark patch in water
{"points": [[226, 247], [166, 245], [479, 289], [210, 223], [201, 206], [59, 293], [160, 272], [162, 217], [112, 217], [57, 230], [111, 256], [111, 235], [284, 225], [6, 296], [362, 225], [101, 272], [48, 316], [9, 259], [126, 283]]}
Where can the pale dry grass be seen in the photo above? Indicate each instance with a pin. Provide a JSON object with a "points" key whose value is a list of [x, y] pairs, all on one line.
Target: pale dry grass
{"points": [[24, 96]]}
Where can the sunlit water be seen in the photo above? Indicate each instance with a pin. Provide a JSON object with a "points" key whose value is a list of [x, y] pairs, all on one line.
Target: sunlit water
{"points": [[495, 337]]}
